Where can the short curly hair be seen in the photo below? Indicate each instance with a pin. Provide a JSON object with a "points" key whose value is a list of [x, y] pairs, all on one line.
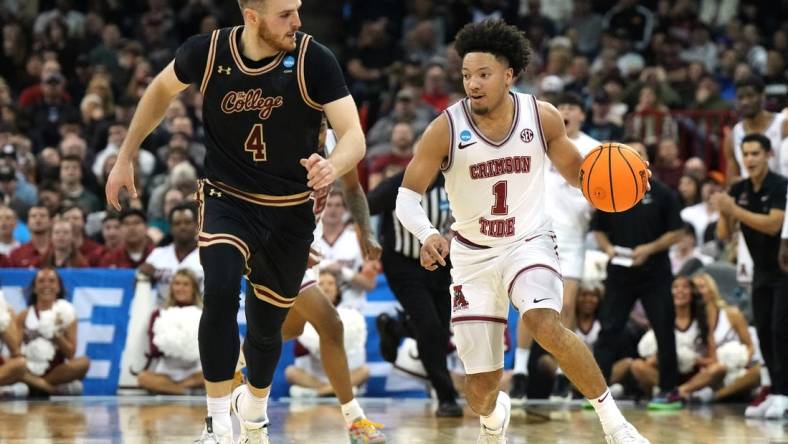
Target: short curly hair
{"points": [[497, 38]]}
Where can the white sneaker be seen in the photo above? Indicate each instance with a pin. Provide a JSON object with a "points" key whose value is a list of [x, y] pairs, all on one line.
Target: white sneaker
{"points": [[486, 436], [777, 407], [626, 434], [251, 432], [296, 391], [73, 388], [617, 390], [16, 390], [704, 395], [215, 435], [759, 411]]}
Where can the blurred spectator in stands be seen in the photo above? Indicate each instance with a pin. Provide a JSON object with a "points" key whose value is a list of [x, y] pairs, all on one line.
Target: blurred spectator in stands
{"points": [[420, 43], [63, 252], [182, 126], [64, 11], [111, 234], [600, 126], [14, 55], [136, 245], [651, 120], [71, 185], [537, 27], [176, 154], [106, 53], [25, 190], [56, 40], [160, 266], [400, 153], [635, 21], [579, 76], [88, 248], [701, 49], [49, 196], [173, 375], [435, 92], [38, 223], [718, 13], [342, 254], [421, 10], [7, 226], [51, 110], [183, 177], [685, 250], [707, 95], [172, 198], [63, 372], [406, 109], [689, 191], [584, 27], [695, 167], [668, 166], [8, 194], [750, 45], [369, 61]]}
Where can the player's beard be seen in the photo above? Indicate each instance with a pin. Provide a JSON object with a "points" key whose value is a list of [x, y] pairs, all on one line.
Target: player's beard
{"points": [[279, 43]]}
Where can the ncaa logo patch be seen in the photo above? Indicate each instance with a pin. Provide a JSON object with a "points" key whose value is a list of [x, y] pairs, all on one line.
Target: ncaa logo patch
{"points": [[288, 62], [526, 135], [465, 135]]}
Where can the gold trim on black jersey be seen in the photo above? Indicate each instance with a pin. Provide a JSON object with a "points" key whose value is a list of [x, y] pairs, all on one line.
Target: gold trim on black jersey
{"points": [[239, 59], [302, 76], [263, 199], [209, 62]]}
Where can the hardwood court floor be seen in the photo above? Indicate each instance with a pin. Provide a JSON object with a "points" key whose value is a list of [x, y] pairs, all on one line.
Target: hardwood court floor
{"points": [[143, 420]]}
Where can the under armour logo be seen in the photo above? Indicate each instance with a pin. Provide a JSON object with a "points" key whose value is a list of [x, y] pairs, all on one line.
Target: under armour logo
{"points": [[223, 70], [213, 192]]}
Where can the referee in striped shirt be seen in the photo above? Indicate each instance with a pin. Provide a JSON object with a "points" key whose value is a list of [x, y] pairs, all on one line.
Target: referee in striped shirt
{"points": [[423, 294]]}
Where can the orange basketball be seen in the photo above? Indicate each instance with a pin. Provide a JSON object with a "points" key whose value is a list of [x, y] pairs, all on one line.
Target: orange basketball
{"points": [[613, 177]]}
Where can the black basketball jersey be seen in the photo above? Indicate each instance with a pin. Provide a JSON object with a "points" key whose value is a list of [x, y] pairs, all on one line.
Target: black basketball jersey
{"points": [[259, 120]]}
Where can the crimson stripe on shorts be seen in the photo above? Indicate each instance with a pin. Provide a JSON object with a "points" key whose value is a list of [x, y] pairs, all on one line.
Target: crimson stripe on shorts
{"points": [[531, 267], [478, 318]]}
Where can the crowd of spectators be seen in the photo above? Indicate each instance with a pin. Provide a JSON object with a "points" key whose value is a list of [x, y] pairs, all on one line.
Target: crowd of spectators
{"points": [[662, 72]]}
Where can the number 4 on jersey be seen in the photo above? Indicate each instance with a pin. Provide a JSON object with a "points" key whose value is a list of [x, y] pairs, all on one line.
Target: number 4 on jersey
{"points": [[255, 143]]}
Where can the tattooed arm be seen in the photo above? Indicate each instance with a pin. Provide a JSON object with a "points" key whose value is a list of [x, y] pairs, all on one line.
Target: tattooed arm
{"points": [[356, 203]]}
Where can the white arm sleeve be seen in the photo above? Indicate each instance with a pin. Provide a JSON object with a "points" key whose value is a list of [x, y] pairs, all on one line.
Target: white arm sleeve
{"points": [[412, 216]]}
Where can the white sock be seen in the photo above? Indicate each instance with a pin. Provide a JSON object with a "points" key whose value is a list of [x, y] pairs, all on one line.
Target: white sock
{"points": [[765, 379], [252, 408], [494, 421], [558, 371], [352, 410], [609, 414], [521, 356], [219, 411]]}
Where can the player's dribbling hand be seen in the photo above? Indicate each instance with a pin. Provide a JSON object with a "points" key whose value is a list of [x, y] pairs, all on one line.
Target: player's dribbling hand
{"points": [[433, 252], [121, 176], [319, 171], [370, 248]]}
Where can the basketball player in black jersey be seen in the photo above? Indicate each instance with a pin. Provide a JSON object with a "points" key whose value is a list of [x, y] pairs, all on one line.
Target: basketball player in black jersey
{"points": [[265, 86]]}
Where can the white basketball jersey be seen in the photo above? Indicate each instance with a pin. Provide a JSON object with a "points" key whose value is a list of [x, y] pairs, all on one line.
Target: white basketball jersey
{"points": [[775, 134], [497, 189], [589, 337], [724, 331], [566, 206]]}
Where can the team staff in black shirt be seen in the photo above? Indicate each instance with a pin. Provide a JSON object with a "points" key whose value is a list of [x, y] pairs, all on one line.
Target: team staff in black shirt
{"points": [[758, 204], [648, 229]]}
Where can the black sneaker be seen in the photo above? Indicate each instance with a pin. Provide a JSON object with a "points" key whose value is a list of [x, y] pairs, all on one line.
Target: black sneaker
{"points": [[389, 340], [519, 390], [449, 409], [562, 389]]}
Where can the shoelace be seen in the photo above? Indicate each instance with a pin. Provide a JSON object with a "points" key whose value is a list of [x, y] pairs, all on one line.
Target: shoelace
{"points": [[365, 425], [256, 435], [207, 438]]}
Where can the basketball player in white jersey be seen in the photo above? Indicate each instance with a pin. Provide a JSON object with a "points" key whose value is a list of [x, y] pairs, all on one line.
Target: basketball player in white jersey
{"points": [[493, 147], [313, 307], [570, 214], [749, 102]]}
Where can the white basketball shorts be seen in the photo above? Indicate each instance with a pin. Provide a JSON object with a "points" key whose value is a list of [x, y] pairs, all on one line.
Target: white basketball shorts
{"points": [[483, 284], [571, 252]]}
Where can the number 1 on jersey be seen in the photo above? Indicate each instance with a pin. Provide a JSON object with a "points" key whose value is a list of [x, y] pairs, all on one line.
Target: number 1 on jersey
{"points": [[499, 192], [255, 143]]}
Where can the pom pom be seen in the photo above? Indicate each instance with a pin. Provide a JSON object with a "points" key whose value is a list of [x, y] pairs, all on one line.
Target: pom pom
{"points": [[64, 313], [355, 327], [39, 352], [732, 355], [5, 314], [175, 333], [647, 345], [310, 339], [46, 324], [686, 357]]}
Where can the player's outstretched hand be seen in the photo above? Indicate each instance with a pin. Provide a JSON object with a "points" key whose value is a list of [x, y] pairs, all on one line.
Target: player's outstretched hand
{"points": [[121, 176], [319, 171], [433, 252]]}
